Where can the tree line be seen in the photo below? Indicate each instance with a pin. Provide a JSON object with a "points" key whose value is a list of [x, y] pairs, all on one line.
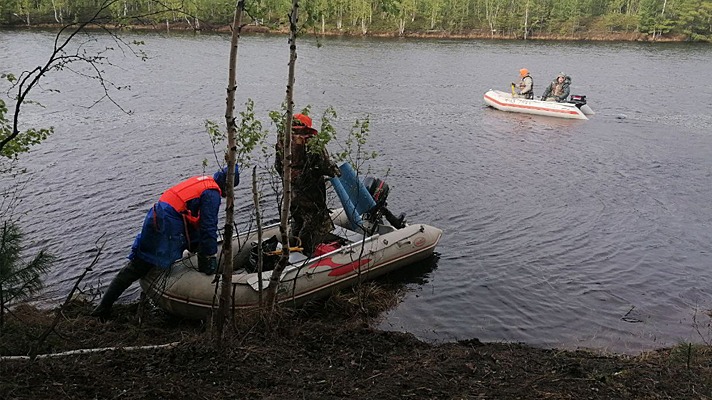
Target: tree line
{"points": [[656, 19]]}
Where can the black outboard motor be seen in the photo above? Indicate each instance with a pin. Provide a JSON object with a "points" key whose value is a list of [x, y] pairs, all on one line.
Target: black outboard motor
{"points": [[379, 191], [577, 100]]}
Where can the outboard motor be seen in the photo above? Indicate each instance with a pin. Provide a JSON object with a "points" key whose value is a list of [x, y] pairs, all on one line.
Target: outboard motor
{"points": [[379, 191], [377, 188], [578, 100]]}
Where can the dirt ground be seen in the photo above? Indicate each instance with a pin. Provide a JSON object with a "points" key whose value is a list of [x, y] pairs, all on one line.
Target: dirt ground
{"points": [[327, 351]]}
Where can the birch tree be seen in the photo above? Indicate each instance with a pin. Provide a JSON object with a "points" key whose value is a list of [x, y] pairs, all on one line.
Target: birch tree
{"points": [[225, 301], [272, 288]]}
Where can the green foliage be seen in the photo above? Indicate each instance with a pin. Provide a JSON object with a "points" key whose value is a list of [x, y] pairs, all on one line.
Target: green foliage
{"points": [[326, 133], [619, 22], [278, 118], [250, 136], [353, 148], [18, 280], [689, 17], [693, 19], [23, 141]]}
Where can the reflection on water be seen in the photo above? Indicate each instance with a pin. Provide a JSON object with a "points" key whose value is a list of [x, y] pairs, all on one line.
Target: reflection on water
{"points": [[556, 232]]}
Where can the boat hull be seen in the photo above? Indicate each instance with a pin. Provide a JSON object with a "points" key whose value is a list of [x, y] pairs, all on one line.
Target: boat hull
{"points": [[183, 291], [505, 102]]}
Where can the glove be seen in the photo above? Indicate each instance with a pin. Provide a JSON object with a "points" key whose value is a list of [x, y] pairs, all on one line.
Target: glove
{"points": [[207, 264]]}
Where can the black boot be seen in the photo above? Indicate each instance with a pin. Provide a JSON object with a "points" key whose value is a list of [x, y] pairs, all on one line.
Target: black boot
{"points": [[130, 273]]}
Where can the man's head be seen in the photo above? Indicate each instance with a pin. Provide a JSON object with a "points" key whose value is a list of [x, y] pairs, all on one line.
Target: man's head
{"points": [[561, 77], [220, 178], [523, 72]]}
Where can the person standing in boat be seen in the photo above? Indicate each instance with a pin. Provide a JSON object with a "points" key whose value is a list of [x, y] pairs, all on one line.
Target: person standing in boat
{"points": [[184, 218], [311, 220], [558, 90], [526, 85]]}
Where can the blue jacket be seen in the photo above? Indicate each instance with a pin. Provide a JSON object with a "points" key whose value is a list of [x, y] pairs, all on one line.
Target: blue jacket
{"points": [[165, 234]]}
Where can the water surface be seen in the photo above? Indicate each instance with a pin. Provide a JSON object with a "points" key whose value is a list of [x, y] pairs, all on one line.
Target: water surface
{"points": [[557, 233]]}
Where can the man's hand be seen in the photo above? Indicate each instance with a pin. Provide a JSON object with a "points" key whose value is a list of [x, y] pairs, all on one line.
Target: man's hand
{"points": [[207, 264]]}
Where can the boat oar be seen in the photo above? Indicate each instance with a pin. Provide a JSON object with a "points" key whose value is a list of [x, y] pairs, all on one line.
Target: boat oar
{"points": [[513, 92]]}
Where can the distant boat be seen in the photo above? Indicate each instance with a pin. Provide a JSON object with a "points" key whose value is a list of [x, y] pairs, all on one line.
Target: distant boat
{"points": [[576, 108], [357, 250]]}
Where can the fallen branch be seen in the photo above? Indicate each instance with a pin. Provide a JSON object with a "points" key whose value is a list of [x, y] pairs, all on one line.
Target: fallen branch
{"points": [[88, 351], [61, 309]]}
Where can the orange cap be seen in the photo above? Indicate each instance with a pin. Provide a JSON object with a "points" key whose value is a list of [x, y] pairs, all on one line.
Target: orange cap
{"points": [[523, 72]]}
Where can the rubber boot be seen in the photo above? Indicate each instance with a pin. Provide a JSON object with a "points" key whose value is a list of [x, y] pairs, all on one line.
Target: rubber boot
{"points": [[133, 271]]}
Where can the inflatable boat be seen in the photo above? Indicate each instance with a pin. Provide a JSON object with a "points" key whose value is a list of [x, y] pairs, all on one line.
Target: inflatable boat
{"points": [[575, 108], [368, 241]]}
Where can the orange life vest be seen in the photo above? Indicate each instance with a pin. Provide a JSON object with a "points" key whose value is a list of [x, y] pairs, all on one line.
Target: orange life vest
{"points": [[191, 188]]}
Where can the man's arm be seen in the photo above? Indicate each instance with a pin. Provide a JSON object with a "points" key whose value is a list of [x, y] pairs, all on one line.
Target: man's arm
{"points": [[208, 226]]}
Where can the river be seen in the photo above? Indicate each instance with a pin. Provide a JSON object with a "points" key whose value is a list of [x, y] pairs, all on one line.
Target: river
{"points": [[558, 233]]}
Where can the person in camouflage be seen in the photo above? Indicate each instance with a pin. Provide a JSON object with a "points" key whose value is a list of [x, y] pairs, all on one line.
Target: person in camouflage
{"points": [[311, 221], [558, 90]]}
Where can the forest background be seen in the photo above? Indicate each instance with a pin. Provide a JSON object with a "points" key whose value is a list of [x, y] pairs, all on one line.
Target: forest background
{"points": [[641, 20]]}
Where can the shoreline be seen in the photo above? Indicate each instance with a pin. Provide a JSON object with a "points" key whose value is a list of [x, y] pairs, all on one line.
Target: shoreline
{"points": [[331, 353], [432, 34]]}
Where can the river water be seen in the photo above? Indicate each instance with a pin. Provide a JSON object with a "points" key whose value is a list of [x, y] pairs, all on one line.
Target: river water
{"points": [[558, 233]]}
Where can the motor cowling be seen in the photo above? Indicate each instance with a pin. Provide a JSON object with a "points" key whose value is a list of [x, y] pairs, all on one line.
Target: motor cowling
{"points": [[577, 99], [379, 191], [377, 188]]}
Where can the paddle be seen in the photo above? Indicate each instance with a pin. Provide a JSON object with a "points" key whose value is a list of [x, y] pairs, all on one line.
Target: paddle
{"points": [[513, 92]]}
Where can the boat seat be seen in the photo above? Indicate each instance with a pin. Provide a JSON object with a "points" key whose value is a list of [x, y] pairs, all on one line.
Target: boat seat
{"points": [[347, 234]]}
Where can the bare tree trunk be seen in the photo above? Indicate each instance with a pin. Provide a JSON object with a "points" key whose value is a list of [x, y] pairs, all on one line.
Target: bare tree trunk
{"points": [[526, 20], [271, 295], [258, 218], [340, 17], [225, 291], [2, 310], [54, 8]]}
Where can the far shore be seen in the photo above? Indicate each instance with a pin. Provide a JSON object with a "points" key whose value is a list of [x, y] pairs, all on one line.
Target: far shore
{"points": [[430, 34]]}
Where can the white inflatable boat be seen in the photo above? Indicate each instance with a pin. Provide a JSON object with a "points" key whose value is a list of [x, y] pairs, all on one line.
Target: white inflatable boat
{"points": [[576, 108], [357, 250]]}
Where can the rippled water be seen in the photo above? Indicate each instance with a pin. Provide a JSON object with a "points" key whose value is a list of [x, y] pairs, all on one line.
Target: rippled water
{"points": [[557, 233]]}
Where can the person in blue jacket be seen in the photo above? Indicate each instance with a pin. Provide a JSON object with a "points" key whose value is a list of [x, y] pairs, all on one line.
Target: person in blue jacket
{"points": [[184, 218]]}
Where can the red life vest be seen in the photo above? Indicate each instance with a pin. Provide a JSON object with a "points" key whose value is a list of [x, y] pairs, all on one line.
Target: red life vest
{"points": [[191, 188]]}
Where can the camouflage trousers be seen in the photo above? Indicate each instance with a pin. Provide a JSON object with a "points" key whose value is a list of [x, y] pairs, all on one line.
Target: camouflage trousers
{"points": [[311, 222]]}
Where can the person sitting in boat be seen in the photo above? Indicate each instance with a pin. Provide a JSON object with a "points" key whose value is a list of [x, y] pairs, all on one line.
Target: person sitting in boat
{"points": [[311, 220], [184, 218], [558, 90], [526, 85]]}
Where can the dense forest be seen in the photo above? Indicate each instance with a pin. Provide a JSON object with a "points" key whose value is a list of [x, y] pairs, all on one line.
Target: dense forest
{"points": [[689, 20]]}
